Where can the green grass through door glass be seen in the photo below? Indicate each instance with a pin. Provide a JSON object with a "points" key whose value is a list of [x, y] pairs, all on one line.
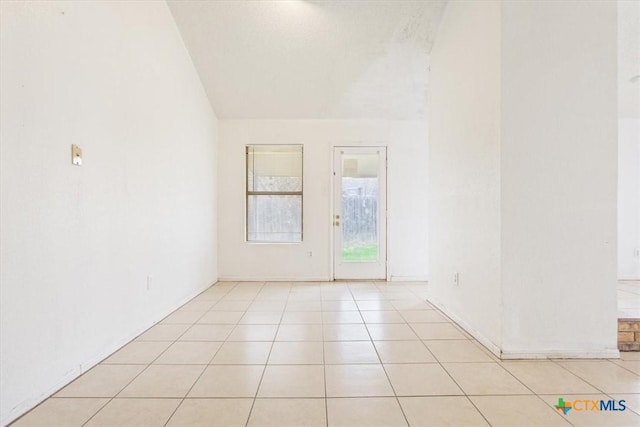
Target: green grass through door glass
{"points": [[360, 253]]}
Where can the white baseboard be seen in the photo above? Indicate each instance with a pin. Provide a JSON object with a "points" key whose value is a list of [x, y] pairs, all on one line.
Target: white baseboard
{"points": [[274, 279], [26, 405], [560, 354], [490, 345], [628, 278], [408, 278], [309, 279], [527, 354]]}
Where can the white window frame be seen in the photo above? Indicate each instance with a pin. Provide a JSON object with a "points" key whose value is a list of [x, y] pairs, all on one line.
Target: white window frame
{"points": [[273, 193]]}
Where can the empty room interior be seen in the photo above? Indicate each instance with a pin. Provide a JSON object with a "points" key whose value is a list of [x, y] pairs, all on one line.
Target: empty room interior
{"points": [[319, 212]]}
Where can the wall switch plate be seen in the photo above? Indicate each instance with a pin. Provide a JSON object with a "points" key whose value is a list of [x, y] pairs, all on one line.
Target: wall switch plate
{"points": [[76, 155], [456, 278], [149, 282], [636, 252]]}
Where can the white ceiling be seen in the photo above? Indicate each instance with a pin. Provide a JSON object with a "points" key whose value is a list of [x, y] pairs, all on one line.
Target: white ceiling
{"points": [[311, 59]]}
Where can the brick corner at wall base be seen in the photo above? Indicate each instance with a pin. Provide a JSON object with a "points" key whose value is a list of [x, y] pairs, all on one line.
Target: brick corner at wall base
{"points": [[629, 334]]}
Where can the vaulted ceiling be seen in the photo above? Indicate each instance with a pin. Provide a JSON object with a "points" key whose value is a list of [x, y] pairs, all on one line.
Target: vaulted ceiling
{"points": [[311, 59]]}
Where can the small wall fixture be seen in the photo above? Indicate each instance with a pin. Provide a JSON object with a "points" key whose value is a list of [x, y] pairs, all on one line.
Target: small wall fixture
{"points": [[76, 155]]}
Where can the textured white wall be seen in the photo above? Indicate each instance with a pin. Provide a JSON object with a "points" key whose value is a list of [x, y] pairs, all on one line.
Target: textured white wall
{"points": [[523, 173], [629, 198], [78, 243], [559, 178], [407, 178], [628, 139], [464, 168]]}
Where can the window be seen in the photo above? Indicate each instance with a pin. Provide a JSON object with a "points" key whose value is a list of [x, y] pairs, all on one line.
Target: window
{"points": [[274, 193]]}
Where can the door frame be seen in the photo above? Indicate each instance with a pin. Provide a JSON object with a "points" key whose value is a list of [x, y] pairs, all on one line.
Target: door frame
{"points": [[332, 243]]}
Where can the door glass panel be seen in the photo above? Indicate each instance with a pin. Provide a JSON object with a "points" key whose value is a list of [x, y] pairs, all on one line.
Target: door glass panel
{"points": [[359, 217]]}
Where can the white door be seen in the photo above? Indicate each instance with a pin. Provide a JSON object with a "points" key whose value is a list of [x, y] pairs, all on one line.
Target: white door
{"points": [[360, 216]]}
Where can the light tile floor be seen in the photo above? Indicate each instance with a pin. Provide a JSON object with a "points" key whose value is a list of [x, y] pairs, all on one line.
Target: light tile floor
{"points": [[343, 354], [629, 299]]}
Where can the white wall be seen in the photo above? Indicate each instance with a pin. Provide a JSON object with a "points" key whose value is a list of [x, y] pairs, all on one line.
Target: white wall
{"points": [[407, 177], [78, 243], [629, 198], [628, 139], [559, 178], [523, 171], [464, 168]]}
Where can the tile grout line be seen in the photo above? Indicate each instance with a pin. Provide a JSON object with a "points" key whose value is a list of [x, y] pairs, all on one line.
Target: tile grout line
{"points": [[622, 366], [456, 383], [131, 381], [266, 363], [499, 363], [384, 369], [464, 393], [149, 364], [110, 399], [216, 352], [324, 366], [555, 361], [493, 361], [201, 373], [263, 286]]}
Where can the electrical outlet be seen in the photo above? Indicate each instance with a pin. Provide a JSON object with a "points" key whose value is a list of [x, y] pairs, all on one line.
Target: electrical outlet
{"points": [[456, 278], [149, 282], [310, 254]]}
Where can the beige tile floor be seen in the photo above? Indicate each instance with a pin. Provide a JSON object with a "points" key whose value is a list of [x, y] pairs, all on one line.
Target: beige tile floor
{"points": [[629, 299], [343, 354]]}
